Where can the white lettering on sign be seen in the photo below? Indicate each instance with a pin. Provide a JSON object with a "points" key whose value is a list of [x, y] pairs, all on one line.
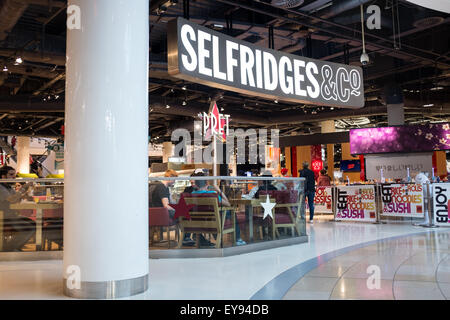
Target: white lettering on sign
{"points": [[218, 58], [441, 204]]}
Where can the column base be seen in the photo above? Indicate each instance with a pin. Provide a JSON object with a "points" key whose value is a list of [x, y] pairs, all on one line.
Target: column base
{"points": [[108, 289]]}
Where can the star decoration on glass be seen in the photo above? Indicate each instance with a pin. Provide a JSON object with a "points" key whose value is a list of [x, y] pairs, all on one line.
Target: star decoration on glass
{"points": [[268, 206], [182, 209]]}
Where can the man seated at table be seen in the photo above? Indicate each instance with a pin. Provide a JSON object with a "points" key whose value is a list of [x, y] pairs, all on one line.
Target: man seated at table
{"points": [[23, 228], [159, 194], [204, 187], [187, 241], [264, 185]]}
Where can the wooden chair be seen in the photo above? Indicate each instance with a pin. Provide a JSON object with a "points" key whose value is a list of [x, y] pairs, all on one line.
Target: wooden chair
{"points": [[159, 218], [287, 211], [207, 217]]}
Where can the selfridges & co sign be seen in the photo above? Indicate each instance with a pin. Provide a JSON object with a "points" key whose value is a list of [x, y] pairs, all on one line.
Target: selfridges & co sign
{"points": [[199, 54]]}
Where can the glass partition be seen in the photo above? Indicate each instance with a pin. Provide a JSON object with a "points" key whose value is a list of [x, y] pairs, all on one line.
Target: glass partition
{"points": [[222, 212], [31, 215], [201, 212]]}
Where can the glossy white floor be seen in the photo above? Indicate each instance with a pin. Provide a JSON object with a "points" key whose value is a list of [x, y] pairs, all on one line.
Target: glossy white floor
{"points": [[236, 277]]}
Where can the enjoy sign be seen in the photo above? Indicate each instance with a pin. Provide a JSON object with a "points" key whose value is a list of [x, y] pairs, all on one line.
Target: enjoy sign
{"points": [[201, 55]]}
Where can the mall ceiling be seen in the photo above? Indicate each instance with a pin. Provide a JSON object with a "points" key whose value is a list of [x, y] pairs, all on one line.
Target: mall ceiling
{"points": [[408, 55]]}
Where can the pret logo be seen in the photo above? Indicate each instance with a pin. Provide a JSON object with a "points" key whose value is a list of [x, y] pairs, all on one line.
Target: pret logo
{"points": [[215, 123]]}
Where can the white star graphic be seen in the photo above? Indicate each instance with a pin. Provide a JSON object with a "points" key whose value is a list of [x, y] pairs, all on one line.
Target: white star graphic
{"points": [[268, 206]]}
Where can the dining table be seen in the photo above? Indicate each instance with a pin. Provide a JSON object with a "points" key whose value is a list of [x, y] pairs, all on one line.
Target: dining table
{"points": [[39, 207], [250, 204]]}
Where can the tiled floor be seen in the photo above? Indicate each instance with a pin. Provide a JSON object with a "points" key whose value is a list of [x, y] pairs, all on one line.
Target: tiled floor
{"points": [[332, 265], [410, 268]]}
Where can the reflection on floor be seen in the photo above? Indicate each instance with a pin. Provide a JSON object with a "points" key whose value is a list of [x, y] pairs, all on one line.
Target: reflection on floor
{"points": [[405, 263], [416, 267]]}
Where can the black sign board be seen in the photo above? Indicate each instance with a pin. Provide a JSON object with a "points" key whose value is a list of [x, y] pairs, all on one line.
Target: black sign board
{"points": [[199, 54]]}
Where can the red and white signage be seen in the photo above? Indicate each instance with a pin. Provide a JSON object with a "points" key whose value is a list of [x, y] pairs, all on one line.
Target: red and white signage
{"points": [[317, 165], [402, 200], [323, 200], [356, 203], [215, 123]]}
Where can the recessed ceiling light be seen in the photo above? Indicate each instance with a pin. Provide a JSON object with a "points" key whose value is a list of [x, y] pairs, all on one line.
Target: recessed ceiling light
{"points": [[184, 103], [18, 61], [5, 69], [428, 105], [167, 106]]}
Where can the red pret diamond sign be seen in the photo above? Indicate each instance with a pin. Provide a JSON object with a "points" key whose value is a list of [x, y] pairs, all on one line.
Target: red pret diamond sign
{"points": [[215, 123]]}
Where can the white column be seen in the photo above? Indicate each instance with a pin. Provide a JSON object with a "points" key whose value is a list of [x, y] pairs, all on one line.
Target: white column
{"points": [[23, 154], [106, 201]]}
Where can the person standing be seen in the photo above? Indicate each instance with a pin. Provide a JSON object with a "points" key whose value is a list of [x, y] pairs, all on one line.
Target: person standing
{"points": [[324, 179], [310, 188]]}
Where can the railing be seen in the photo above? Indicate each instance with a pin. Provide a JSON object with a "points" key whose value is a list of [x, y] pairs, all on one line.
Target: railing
{"points": [[34, 221]]}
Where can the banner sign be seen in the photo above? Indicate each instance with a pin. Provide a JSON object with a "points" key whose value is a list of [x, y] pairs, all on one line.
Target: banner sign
{"points": [[350, 165], [323, 200], [395, 166], [402, 200], [412, 138], [356, 203], [201, 55], [215, 123], [441, 205]]}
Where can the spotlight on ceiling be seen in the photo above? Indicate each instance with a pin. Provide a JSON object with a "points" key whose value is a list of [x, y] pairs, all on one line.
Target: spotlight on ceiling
{"points": [[19, 60], [5, 69], [184, 103]]}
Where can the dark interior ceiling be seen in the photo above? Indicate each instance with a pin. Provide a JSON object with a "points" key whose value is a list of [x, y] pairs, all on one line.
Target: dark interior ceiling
{"points": [[413, 57]]}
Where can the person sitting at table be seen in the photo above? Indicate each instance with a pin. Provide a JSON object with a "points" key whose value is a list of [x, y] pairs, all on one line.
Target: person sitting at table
{"points": [[204, 187], [159, 194], [264, 185], [187, 241], [23, 228]]}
